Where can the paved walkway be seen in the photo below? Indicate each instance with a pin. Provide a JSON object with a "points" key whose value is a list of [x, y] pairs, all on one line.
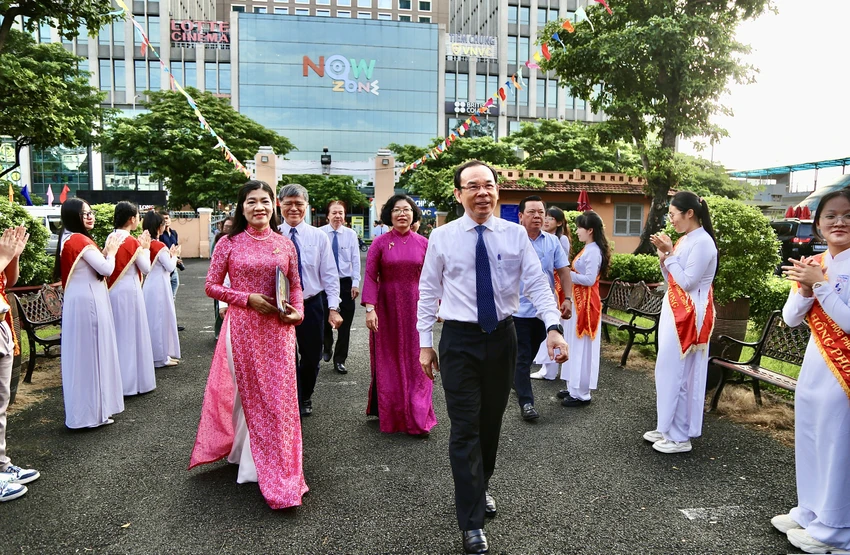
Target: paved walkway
{"points": [[577, 481]]}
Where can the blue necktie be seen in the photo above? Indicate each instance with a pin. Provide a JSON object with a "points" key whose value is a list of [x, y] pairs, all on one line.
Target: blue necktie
{"points": [[487, 317], [293, 234], [335, 247]]}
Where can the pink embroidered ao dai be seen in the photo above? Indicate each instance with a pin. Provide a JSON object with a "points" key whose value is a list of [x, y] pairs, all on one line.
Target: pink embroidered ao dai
{"points": [[400, 393], [262, 350]]}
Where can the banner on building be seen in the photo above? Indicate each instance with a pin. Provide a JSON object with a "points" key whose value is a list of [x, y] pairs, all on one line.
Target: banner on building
{"points": [[462, 47], [211, 34]]}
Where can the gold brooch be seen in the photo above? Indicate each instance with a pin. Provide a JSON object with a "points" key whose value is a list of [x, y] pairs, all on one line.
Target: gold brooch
{"points": [[276, 251], [391, 246]]}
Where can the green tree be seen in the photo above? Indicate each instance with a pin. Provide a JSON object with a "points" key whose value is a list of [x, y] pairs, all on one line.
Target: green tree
{"points": [[45, 100], [704, 178], [657, 70], [35, 264], [68, 16], [434, 180], [325, 188], [567, 145], [169, 143]]}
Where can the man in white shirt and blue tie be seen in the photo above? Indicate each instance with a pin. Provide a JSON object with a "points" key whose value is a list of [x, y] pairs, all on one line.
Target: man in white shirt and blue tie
{"points": [[471, 279], [320, 283], [346, 252]]}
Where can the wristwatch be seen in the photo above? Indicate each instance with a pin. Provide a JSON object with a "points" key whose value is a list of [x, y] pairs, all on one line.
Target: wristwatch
{"points": [[369, 309], [568, 299], [556, 327], [334, 309]]}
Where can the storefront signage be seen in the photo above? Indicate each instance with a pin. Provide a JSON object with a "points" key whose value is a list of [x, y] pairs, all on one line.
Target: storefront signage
{"points": [[211, 34], [464, 107], [427, 208], [345, 73], [461, 47]]}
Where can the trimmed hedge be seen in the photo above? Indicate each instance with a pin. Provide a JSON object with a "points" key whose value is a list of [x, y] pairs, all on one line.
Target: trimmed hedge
{"points": [[771, 297], [36, 266], [634, 268]]}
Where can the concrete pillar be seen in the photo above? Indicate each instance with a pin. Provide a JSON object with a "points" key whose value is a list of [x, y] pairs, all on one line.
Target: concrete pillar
{"points": [[441, 218], [267, 166], [384, 178], [204, 217]]}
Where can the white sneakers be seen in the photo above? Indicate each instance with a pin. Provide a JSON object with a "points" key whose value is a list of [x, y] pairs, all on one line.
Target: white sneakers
{"points": [[670, 446], [541, 375], [800, 538], [783, 523], [653, 436], [12, 481], [9, 491]]}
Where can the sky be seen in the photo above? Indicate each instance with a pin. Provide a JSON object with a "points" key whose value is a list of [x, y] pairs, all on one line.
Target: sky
{"points": [[799, 108]]}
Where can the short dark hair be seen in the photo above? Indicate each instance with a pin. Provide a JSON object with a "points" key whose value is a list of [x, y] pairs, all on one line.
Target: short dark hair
{"points": [[333, 202], [152, 222], [124, 211], [530, 198], [72, 222], [470, 164], [387, 210], [845, 192], [240, 223]]}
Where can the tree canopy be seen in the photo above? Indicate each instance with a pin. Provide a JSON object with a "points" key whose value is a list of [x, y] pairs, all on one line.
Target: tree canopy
{"points": [[68, 16], [657, 70], [434, 181], [325, 188], [169, 143], [567, 145], [705, 178], [45, 100]]}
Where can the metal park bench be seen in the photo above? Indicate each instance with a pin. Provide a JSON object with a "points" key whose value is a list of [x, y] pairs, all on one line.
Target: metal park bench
{"points": [[39, 310]]}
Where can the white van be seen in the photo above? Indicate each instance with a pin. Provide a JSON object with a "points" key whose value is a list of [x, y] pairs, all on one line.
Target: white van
{"points": [[51, 217]]}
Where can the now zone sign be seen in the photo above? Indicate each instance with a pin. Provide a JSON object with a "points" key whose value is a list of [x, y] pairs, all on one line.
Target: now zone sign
{"points": [[345, 73]]}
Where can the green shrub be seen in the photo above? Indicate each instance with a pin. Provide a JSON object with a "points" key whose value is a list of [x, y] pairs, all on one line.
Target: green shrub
{"points": [[575, 244], [36, 266], [772, 297], [634, 268]]}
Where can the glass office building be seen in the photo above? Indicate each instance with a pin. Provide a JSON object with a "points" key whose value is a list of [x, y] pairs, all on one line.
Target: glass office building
{"points": [[350, 85]]}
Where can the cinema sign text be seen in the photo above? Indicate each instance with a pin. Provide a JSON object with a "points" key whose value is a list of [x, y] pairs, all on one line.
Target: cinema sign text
{"points": [[212, 34]]}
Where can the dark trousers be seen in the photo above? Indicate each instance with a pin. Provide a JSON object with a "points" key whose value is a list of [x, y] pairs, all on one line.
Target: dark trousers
{"points": [[309, 335], [346, 310], [530, 332], [476, 370]]}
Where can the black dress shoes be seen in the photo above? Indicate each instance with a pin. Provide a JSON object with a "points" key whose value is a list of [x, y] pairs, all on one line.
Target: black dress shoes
{"points": [[529, 412], [307, 407], [326, 356], [563, 394], [570, 401], [489, 505], [474, 541], [180, 328], [340, 367]]}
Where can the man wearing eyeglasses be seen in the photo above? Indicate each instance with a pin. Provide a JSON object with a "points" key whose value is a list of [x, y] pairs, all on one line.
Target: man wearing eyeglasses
{"points": [[471, 278], [320, 282]]}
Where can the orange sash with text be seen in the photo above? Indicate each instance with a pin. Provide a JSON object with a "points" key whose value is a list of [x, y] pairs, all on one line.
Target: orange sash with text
{"points": [[559, 290], [685, 316], [72, 251], [7, 317], [832, 341], [125, 259], [587, 306]]}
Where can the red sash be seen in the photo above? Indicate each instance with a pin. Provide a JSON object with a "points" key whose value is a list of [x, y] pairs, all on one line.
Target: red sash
{"points": [[8, 316], [832, 341], [72, 251], [588, 306], [156, 246], [559, 290], [125, 259], [685, 316]]}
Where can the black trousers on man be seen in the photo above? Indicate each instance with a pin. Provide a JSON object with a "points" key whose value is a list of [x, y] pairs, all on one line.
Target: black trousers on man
{"points": [[309, 335], [530, 332], [476, 369], [346, 310]]}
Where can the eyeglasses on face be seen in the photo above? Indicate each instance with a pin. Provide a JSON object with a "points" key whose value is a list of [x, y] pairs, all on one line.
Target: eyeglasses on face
{"points": [[88, 214], [402, 211], [832, 219], [475, 188], [290, 204]]}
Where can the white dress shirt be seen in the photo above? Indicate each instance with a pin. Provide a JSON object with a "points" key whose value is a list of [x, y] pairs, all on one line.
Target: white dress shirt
{"points": [[448, 275], [349, 252], [317, 262]]}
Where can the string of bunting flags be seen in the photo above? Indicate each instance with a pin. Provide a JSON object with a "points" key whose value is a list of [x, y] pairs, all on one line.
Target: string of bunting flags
{"points": [[146, 45], [515, 83]]}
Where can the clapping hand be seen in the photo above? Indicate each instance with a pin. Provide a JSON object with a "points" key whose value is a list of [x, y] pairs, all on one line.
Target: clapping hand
{"points": [[175, 250], [112, 244], [145, 240], [663, 243], [12, 242], [806, 272]]}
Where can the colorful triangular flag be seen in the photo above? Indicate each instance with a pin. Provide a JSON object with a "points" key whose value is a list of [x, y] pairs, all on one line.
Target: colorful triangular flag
{"points": [[49, 195], [581, 15], [604, 3], [26, 194]]}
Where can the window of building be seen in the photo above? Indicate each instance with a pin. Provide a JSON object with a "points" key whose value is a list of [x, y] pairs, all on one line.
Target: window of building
{"points": [[323, 2], [258, 9], [58, 167], [210, 77], [302, 1], [553, 15], [480, 88], [44, 31], [153, 30], [424, 19], [177, 71], [513, 14], [364, 3], [385, 4], [140, 73], [364, 15], [343, 13], [235, 8], [404, 18], [514, 126], [581, 104], [541, 94], [524, 15], [541, 17], [191, 79], [104, 33], [105, 75], [462, 86], [405, 4], [424, 5], [323, 13], [224, 78], [522, 56], [83, 65], [628, 219], [302, 11], [281, 1], [385, 16], [512, 50], [451, 82], [346, 3], [492, 84], [118, 33], [281, 11], [522, 96], [551, 98], [83, 37]]}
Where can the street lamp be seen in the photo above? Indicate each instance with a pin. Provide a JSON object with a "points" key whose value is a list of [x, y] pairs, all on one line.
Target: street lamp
{"points": [[134, 102]]}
